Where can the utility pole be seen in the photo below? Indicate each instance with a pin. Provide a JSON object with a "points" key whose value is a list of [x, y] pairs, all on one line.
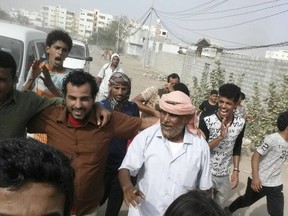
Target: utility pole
{"points": [[147, 52], [118, 36]]}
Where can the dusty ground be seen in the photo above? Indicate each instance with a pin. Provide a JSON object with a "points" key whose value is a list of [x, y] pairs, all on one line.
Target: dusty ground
{"points": [[135, 70]]}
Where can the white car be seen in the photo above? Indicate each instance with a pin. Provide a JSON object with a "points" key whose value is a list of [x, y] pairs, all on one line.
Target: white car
{"points": [[24, 44], [79, 57]]}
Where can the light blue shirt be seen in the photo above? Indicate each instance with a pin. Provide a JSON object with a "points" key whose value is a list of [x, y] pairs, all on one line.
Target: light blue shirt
{"points": [[163, 177]]}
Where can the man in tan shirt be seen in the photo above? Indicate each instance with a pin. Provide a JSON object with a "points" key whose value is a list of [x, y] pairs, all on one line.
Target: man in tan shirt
{"points": [[72, 128]]}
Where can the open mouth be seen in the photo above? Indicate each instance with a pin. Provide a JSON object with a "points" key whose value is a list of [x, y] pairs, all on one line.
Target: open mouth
{"points": [[58, 60]]}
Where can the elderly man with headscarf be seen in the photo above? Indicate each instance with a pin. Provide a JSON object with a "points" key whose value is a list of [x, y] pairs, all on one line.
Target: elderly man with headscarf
{"points": [[118, 100], [104, 75], [170, 159]]}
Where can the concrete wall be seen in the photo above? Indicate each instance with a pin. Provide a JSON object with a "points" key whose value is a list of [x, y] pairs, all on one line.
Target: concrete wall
{"points": [[253, 69]]}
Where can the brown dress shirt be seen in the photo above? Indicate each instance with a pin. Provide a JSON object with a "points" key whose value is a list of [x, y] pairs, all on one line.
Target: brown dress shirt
{"points": [[87, 146]]}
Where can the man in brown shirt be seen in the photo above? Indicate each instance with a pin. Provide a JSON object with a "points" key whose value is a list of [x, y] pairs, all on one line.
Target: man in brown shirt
{"points": [[73, 130]]}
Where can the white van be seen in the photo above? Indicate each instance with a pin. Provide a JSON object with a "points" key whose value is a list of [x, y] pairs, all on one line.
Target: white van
{"points": [[79, 57], [24, 44]]}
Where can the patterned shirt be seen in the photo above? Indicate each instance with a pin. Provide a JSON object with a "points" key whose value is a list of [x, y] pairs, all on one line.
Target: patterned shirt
{"points": [[221, 155], [151, 97], [57, 79], [274, 150]]}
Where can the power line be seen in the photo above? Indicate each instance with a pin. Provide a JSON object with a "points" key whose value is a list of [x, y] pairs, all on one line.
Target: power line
{"points": [[285, 43], [238, 24], [198, 6], [143, 23], [239, 14]]}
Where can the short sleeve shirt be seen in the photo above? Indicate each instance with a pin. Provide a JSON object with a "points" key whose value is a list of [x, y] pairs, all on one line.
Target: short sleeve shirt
{"points": [[86, 146], [274, 151], [162, 176], [105, 74], [16, 112]]}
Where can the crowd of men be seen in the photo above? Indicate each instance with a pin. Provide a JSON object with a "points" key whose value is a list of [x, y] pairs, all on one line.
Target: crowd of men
{"points": [[102, 151]]}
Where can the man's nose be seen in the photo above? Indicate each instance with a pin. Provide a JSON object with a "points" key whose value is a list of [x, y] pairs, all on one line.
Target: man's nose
{"points": [[78, 104]]}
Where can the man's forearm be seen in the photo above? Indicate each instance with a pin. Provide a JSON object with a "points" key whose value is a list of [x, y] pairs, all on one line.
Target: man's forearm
{"points": [[213, 143], [255, 165], [124, 178]]}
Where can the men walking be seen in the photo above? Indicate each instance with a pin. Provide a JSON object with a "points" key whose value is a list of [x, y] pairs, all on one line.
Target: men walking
{"points": [[104, 75], [168, 159], [224, 133], [120, 89], [266, 164], [72, 129]]}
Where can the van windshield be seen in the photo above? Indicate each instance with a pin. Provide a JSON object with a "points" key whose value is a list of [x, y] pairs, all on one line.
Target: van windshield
{"points": [[77, 52], [13, 47]]}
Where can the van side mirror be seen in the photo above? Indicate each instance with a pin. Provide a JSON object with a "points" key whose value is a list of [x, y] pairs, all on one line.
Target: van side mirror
{"points": [[89, 58]]}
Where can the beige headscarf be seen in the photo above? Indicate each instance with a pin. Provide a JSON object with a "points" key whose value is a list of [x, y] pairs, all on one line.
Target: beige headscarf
{"points": [[178, 103]]}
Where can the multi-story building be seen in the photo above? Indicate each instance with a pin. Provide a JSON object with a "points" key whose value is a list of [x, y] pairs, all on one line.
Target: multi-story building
{"points": [[87, 22], [104, 20], [58, 17], [90, 21]]}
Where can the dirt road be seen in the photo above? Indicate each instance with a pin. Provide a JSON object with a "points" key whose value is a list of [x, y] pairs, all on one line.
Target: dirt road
{"points": [[135, 70]]}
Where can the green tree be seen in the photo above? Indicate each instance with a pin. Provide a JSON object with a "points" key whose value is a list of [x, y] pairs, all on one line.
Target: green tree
{"points": [[113, 35], [217, 76]]}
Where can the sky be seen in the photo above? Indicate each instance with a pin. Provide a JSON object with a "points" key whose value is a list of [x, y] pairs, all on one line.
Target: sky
{"points": [[191, 20]]}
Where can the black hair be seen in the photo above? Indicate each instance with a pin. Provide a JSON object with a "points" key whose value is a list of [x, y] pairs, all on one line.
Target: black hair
{"points": [[196, 203], [59, 35], [282, 121], [230, 91], [173, 76], [242, 96], [8, 62], [24, 160], [78, 78], [213, 92], [181, 87]]}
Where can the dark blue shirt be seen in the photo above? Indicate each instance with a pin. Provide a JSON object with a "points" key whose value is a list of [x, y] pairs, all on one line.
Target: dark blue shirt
{"points": [[117, 147]]}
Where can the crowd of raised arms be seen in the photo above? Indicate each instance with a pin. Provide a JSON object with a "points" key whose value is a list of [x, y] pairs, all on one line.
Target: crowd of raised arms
{"points": [[88, 144]]}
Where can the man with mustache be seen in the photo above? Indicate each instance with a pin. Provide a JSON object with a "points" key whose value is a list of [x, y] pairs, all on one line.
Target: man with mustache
{"points": [[72, 128], [169, 158], [224, 133], [118, 100]]}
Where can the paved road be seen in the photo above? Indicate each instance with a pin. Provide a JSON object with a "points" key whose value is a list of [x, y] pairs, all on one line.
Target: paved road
{"points": [[139, 82]]}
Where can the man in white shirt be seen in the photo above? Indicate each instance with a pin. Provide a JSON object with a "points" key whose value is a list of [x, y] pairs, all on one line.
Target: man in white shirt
{"points": [[104, 75], [169, 158], [266, 164]]}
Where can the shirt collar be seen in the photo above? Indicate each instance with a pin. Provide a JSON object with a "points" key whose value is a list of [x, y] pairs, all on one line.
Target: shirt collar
{"points": [[187, 139], [63, 117], [12, 97]]}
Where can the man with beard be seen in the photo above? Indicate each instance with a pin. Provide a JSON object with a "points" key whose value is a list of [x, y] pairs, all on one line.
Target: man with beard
{"points": [[18, 107], [169, 158], [104, 75], [224, 133], [72, 128], [120, 89]]}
